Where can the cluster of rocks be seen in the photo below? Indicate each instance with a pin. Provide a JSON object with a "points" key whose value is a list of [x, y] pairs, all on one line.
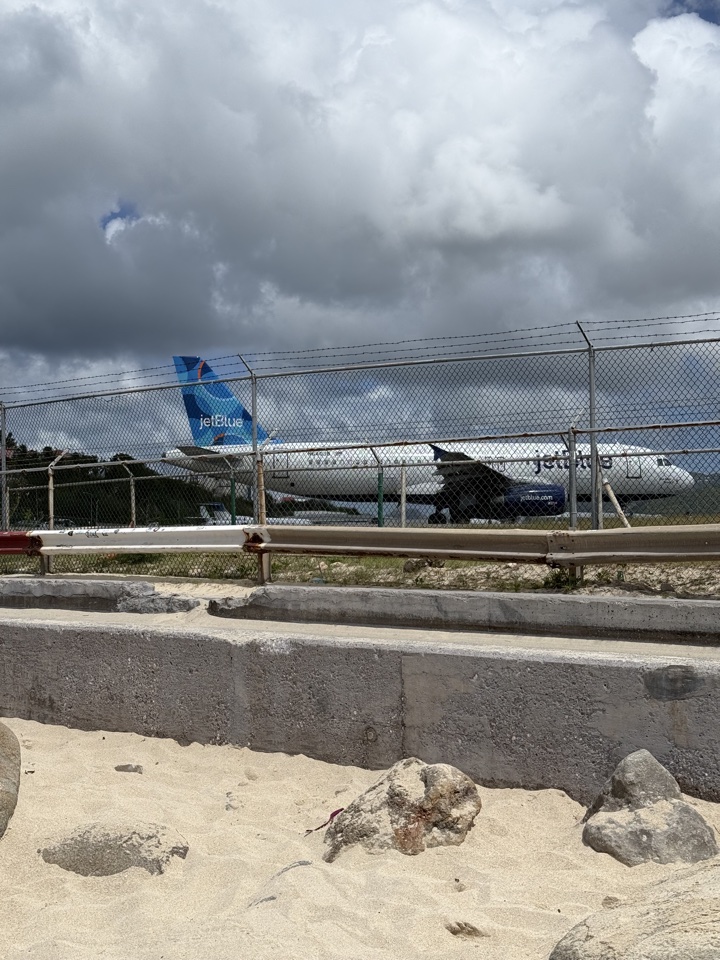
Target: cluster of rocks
{"points": [[639, 816]]}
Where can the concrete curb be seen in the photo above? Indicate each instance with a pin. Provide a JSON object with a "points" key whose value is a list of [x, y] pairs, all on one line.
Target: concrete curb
{"points": [[97, 596], [507, 716], [692, 621]]}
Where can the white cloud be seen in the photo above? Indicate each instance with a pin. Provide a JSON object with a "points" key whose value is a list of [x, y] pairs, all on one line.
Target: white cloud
{"points": [[314, 171]]}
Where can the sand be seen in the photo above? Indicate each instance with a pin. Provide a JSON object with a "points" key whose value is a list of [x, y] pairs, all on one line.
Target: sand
{"points": [[522, 877]]}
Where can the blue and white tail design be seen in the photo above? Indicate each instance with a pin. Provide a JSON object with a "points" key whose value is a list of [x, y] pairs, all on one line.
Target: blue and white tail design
{"points": [[217, 418]]}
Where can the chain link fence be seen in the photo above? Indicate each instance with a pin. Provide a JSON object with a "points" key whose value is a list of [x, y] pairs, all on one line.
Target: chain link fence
{"points": [[568, 437]]}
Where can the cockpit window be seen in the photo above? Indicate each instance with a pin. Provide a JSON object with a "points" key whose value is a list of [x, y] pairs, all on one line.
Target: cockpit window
{"points": [[663, 462]]}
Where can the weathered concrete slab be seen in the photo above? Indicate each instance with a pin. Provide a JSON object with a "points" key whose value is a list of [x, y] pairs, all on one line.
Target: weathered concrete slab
{"points": [[156, 683], [631, 618], [97, 596], [513, 714]]}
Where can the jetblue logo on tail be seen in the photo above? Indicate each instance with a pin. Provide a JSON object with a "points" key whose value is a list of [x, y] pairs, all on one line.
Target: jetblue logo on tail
{"points": [[217, 418]]}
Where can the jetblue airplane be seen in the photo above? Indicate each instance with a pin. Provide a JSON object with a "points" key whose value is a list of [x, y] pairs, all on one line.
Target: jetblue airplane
{"points": [[499, 480]]}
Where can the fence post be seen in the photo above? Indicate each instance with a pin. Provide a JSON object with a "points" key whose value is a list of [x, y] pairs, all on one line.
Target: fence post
{"points": [[133, 514], [254, 420], [3, 467], [264, 559], [572, 479], [403, 494], [596, 508]]}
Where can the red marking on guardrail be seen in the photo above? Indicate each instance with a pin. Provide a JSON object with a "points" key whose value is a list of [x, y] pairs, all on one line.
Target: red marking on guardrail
{"points": [[20, 543]]}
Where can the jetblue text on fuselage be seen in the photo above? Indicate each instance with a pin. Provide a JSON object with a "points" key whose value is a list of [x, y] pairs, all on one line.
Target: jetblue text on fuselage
{"points": [[220, 420], [564, 464]]}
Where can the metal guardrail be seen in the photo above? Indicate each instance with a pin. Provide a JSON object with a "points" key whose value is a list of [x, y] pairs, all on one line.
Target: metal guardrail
{"points": [[563, 548], [557, 548]]}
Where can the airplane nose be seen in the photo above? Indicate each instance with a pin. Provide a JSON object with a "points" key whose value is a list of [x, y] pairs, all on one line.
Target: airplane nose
{"points": [[685, 480]]}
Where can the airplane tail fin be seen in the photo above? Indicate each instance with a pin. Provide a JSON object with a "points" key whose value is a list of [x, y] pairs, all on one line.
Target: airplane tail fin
{"points": [[217, 418]]}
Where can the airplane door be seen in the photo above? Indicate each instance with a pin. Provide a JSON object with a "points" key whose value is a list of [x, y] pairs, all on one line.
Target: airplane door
{"points": [[634, 468]]}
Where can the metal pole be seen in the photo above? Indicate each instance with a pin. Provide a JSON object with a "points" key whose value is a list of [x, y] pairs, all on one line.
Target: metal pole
{"points": [[233, 507], [264, 559], [380, 498], [403, 495], [262, 512], [133, 514], [572, 478], [614, 501], [3, 467], [256, 456], [595, 478]]}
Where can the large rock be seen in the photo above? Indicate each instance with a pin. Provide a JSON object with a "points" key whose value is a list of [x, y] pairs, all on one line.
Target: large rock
{"points": [[666, 832], [638, 781], [100, 850], [639, 816], [677, 919], [413, 806], [9, 775]]}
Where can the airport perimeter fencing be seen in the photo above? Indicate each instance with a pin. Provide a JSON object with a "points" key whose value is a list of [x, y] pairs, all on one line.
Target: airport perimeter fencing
{"points": [[100, 459]]}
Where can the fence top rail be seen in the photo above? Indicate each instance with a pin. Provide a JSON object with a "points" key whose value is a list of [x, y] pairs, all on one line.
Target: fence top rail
{"points": [[308, 371], [647, 426], [369, 365]]}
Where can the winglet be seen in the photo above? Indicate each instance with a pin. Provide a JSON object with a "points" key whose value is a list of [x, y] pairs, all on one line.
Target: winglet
{"points": [[438, 452]]}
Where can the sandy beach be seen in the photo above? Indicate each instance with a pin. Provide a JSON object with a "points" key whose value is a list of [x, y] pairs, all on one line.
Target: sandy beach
{"points": [[522, 877]]}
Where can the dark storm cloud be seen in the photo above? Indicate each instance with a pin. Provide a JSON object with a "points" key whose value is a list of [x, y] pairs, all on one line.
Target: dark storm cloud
{"points": [[283, 174]]}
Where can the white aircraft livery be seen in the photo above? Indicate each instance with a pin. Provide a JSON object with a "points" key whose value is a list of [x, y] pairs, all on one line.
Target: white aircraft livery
{"points": [[500, 480]]}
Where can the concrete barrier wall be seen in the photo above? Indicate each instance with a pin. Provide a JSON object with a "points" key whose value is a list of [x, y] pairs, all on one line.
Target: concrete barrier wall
{"points": [[508, 717], [626, 618]]}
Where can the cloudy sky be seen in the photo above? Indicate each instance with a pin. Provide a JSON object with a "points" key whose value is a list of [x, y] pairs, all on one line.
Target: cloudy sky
{"points": [[206, 177]]}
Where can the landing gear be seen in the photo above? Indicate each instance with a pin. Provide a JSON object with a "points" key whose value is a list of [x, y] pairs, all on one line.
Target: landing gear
{"points": [[437, 517]]}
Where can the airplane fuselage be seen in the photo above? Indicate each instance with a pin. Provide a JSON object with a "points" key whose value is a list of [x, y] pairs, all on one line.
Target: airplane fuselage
{"points": [[342, 472]]}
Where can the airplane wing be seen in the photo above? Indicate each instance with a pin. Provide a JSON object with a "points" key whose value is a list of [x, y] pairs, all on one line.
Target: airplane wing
{"points": [[198, 452], [462, 475]]}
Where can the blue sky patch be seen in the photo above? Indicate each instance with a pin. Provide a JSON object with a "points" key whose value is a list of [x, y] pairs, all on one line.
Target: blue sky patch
{"points": [[706, 9], [124, 211]]}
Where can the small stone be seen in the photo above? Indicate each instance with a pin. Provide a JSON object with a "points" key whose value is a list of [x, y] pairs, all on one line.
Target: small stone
{"points": [[129, 768], [464, 929], [9, 775], [101, 850], [413, 806]]}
